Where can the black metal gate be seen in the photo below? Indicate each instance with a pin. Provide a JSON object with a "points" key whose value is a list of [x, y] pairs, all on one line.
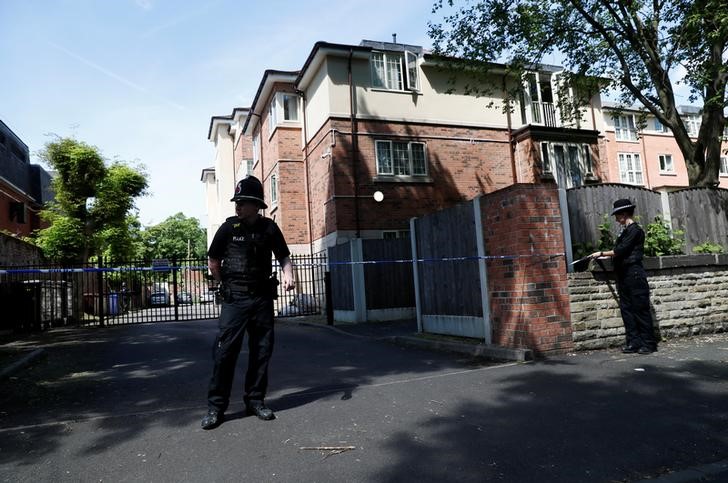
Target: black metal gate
{"points": [[138, 291]]}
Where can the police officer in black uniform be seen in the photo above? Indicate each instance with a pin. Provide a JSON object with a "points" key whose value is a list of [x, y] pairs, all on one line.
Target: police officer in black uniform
{"points": [[240, 258], [634, 292]]}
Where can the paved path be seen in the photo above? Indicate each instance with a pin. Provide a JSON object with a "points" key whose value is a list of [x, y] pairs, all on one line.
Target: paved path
{"points": [[124, 404]]}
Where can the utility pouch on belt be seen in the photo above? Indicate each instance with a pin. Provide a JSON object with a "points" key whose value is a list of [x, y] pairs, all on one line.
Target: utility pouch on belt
{"points": [[225, 293], [273, 284]]}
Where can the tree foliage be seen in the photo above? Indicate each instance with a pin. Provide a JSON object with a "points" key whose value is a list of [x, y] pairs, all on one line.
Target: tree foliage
{"points": [[631, 46], [176, 237], [92, 210]]}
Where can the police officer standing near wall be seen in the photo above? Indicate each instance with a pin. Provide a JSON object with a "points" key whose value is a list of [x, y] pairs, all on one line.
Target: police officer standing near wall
{"points": [[634, 292], [240, 258]]}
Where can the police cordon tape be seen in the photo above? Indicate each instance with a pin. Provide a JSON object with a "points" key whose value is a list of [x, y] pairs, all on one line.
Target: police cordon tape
{"points": [[204, 267]]}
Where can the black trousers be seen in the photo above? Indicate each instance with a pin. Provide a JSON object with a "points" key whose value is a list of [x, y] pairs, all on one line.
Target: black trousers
{"points": [[634, 304], [242, 313]]}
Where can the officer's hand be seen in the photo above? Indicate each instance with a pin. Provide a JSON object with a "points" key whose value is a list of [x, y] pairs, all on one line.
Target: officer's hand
{"points": [[288, 283]]}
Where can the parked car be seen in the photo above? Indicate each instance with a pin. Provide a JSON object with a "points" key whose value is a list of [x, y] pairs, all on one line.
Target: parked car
{"points": [[158, 299], [184, 298], [207, 297]]}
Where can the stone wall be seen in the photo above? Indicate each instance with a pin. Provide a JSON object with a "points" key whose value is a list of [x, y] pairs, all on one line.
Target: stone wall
{"points": [[689, 296], [14, 251]]}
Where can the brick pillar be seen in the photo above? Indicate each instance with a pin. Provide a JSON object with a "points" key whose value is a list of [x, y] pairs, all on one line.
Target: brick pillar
{"points": [[528, 287]]}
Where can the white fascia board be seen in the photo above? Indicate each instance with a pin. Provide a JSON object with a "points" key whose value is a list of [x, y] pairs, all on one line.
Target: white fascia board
{"points": [[319, 57], [261, 104], [217, 123]]}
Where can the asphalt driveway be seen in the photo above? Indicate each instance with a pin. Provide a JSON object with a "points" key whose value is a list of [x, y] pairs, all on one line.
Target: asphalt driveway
{"points": [[124, 404]]}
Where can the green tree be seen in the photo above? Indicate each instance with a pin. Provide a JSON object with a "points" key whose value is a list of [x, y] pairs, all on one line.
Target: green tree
{"points": [[176, 237], [93, 202], [629, 46]]}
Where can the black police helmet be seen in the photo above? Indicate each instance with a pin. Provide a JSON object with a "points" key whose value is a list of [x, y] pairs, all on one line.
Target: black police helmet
{"points": [[249, 189], [622, 205]]}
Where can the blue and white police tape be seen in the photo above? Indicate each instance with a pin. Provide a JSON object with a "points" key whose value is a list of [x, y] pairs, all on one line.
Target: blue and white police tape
{"points": [[319, 264]]}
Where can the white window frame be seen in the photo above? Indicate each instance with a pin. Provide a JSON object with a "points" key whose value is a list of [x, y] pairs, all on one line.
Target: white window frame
{"points": [[272, 121], [659, 127], [536, 109], [277, 111], [625, 128], [692, 124], [546, 158], [256, 148], [584, 162], [666, 163], [390, 145], [273, 189], [245, 169], [636, 173], [723, 166], [406, 77]]}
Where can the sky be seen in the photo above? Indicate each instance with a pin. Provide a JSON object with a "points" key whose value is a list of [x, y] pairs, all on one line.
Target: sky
{"points": [[140, 79]]}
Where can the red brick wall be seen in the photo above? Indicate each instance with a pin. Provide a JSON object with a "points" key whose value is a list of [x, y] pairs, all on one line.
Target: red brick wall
{"points": [[281, 155], [529, 298], [9, 195], [461, 165]]}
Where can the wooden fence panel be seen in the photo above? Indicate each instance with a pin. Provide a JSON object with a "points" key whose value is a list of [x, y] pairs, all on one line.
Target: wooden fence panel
{"points": [[449, 287], [702, 213], [342, 290], [588, 205], [388, 285]]}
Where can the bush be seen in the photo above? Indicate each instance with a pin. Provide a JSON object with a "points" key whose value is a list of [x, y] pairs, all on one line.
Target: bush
{"points": [[708, 247], [659, 241]]}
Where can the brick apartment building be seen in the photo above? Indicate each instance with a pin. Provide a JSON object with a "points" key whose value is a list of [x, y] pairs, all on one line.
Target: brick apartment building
{"points": [[383, 118], [648, 155], [24, 187]]}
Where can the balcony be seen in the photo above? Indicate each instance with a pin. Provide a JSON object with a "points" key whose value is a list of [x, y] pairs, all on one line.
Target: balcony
{"points": [[544, 113]]}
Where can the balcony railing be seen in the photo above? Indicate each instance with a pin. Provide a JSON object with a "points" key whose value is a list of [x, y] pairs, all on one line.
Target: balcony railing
{"points": [[544, 113]]}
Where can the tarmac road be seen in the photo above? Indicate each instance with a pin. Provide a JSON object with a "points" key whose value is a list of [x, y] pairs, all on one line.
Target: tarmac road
{"points": [[124, 404]]}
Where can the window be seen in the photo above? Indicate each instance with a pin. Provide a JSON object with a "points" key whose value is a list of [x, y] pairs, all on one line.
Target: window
{"points": [[401, 158], [394, 71], [538, 93], [545, 158], [272, 122], [17, 211], [659, 127], [568, 163], [283, 108], [273, 189], [588, 159], [256, 148], [630, 168], [692, 124], [723, 168], [245, 169], [624, 128], [666, 165]]}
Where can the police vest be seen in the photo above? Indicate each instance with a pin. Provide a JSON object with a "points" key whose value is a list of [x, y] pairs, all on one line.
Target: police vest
{"points": [[248, 254]]}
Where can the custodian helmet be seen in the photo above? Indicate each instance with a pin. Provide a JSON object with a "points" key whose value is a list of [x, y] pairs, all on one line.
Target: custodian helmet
{"points": [[249, 189]]}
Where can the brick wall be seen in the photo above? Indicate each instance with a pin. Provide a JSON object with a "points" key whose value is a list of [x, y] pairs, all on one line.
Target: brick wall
{"points": [[529, 299], [462, 163], [689, 296]]}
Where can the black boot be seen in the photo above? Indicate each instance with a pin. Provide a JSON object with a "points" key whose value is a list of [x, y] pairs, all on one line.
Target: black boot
{"points": [[212, 419], [630, 349], [259, 410]]}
